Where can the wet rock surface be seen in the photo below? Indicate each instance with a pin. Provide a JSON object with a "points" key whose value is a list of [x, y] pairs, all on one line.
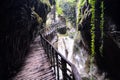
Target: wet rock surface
{"points": [[108, 61], [18, 27]]}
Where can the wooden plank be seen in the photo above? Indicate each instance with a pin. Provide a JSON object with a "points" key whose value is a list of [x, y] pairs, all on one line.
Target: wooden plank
{"points": [[37, 65]]}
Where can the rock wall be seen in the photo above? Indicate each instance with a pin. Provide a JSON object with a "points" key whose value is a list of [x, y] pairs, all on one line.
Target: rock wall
{"points": [[20, 22], [112, 10], [108, 61]]}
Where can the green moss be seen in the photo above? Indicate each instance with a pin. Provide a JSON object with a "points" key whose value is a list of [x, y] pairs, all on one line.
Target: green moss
{"points": [[92, 30], [38, 18], [46, 2], [80, 16], [58, 8], [102, 27], [79, 5], [72, 1]]}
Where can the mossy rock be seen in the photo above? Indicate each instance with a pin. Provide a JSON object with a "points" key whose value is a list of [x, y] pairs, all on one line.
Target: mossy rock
{"points": [[85, 78]]}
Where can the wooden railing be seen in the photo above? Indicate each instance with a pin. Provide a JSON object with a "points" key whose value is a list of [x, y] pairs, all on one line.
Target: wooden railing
{"points": [[64, 70]]}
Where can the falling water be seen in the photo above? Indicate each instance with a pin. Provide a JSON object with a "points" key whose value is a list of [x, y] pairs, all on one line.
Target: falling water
{"points": [[70, 48]]}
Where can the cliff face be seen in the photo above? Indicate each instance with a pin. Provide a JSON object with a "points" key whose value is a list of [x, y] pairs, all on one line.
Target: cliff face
{"points": [[108, 60], [112, 10], [20, 22], [111, 48]]}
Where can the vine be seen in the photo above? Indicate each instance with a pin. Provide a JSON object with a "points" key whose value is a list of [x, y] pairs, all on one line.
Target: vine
{"points": [[102, 27], [58, 8], [92, 30], [80, 3]]}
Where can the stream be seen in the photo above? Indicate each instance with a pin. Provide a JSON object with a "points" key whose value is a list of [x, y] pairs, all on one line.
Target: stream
{"points": [[70, 47]]}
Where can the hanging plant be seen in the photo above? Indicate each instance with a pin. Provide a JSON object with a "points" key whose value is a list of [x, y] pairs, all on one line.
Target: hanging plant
{"points": [[92, 31], [102, 27], [58, 8], [80, 3]]}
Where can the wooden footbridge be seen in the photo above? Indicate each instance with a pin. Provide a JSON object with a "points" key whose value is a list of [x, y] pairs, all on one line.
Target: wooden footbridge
{"points": [[44, 62]]}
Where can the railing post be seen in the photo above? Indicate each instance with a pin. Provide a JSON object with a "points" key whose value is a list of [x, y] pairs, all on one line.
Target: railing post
{"points": [[64, 69], [45, 46], [57, 66], [54, 63], [50, 54], [59, 62]]}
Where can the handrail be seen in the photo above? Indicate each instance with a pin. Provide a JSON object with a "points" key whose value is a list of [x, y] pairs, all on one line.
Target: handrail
{"points": [[63, 69], [52, 29]]}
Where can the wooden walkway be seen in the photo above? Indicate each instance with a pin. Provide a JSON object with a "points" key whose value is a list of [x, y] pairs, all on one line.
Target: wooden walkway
{"points": [[37, 65]]}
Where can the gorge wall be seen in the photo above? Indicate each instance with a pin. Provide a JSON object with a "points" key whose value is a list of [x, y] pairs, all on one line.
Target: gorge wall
{"points": [[108, 60], [20, 23]]}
